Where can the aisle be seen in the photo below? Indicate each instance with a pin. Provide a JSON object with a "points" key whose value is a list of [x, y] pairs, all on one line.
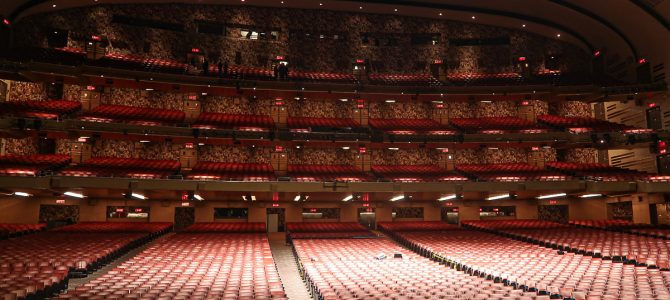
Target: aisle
{"points": [[288, 269]]}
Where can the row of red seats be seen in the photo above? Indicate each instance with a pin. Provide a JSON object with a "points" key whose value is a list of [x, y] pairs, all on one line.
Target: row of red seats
{"points": [[311, 173], [134, 62], [210, 120], [348, 269], [308, 122], [582, 124], [49, 109], [534, 268], [135, 115], [603, 172], [232, 171], [117, 227], [321, 76], [192, 266], [294, 227], [514, 224], [416, 226], [641, 250], [403, 79], [39, 265], [415, 173], [226, 227], [31, 165], [407, 124], [515, 172], [606, 224], [494, 123], [123, 167], [12, 230], [484, 78]]}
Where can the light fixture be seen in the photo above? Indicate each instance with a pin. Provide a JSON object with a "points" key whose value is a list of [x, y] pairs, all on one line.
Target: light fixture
{"points": [[54, 6], [73, 194], [144, 141], [300, 197], [198, 197], [390, 101], [558, 35], [399, 197], [360, 7], [22, 194], [440, 14], [248, 197], [498, 197], [473, 17], [149, 89], [347, 198], [138, 196], [485, 101], [394, 148], [552, 196], [345, 148], [344, 99], [395, 9], [448, 197], [524, 25], [590, 195]]}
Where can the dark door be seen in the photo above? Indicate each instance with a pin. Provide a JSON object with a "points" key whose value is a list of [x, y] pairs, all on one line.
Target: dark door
{"points": [[183, 217]]}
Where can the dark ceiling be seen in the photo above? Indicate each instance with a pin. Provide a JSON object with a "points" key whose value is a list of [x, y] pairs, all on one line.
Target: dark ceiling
{"points": [[631, 29]]}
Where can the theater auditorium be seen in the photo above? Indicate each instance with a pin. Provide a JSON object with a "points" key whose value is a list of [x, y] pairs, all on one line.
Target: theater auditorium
{"points": [[334, 149]]}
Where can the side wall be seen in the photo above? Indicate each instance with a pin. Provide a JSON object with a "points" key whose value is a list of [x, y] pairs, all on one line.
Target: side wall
{"points": [[15, 210]]}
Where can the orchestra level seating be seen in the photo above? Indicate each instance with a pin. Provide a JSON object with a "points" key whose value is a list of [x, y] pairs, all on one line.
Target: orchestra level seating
{"points": [[204, 262], [39, 265], [535, 268]]}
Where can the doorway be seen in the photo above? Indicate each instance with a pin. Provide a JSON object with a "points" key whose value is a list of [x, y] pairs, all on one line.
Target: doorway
{"points": [[183, 217], [450, 215], [367, 216], [275, 219]]}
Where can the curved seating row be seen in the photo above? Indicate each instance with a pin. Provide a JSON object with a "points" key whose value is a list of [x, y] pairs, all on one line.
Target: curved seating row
{"points": [[315, 173], [226, 227], [415, 173], [123, 167], [49, 109], [31, 165]]}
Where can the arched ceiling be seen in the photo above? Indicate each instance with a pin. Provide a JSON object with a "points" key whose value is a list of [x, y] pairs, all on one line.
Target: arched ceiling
{"points": [[632, 29]]}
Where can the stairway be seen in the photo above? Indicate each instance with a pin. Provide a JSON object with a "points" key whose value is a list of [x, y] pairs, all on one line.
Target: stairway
{"points": [[287, 267]]}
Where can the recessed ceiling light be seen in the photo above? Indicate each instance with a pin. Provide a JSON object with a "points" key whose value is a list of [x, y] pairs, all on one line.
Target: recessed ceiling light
{"points": [[473, 17], [73, 194], [558, 35], [360, 7], [524, 25], [395, 9], [53, 5], [440, 14], [552, 196], [448, 197], [320, 4], [498, 197], [138, 196]]}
